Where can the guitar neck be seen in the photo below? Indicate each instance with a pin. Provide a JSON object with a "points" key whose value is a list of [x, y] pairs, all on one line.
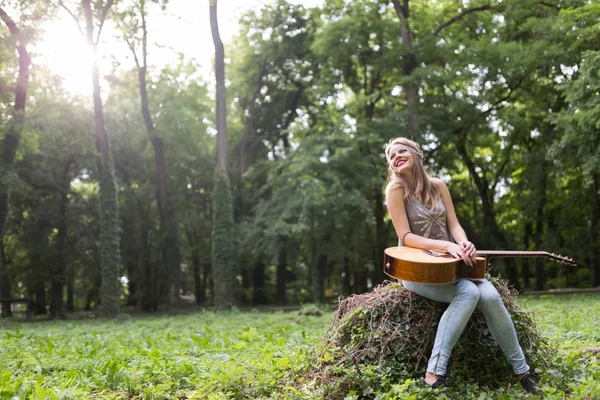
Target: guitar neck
{"points": [[512, 253], [530, 254]]}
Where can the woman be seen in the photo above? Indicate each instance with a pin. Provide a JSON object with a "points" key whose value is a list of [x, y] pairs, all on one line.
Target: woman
{"points": [[423, 215]]}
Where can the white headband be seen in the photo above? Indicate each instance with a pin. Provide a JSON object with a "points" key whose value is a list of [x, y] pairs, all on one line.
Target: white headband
{"points": [[417, 150]]}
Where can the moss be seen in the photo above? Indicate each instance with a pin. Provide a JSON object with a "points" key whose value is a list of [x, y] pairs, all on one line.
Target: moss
{"points": [[110, 253], [223, 249]]}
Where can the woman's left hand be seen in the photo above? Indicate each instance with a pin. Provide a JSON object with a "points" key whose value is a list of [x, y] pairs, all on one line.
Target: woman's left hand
{"points": [[468, 248]]}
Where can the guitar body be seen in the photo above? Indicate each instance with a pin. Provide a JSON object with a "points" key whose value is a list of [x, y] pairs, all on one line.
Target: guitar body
{"points": [[414, 265]]}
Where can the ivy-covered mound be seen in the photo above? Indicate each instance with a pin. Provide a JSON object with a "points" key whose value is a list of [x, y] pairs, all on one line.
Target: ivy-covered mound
{"points": [[386, 336]]}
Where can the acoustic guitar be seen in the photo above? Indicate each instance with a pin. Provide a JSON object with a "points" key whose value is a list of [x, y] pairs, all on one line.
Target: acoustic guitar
{"points": [[426, 266]]}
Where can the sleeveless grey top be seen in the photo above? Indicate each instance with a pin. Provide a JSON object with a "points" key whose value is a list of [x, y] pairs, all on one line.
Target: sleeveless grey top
{"points": [[425, 222]]}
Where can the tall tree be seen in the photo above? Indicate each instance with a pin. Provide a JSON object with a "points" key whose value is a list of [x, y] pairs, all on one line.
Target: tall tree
{"points": [[223, 250], [168, 226], [10, 142], [272, 65], [409, 64], [94, 18]]}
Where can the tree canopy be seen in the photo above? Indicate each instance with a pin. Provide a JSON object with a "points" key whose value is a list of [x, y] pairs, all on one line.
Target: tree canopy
{"points": [[502, 95]]}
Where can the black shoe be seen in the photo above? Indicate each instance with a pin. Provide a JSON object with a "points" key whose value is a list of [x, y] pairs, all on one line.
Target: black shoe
{"points": [[530, 382], [440, 383]]}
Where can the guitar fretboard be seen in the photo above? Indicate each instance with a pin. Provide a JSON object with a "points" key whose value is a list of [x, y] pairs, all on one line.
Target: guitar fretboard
{"points": [[511, 253], [531, 254]]}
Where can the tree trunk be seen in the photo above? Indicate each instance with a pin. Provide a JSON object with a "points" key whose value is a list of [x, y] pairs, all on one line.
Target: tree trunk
{"points": [[196, 276], [132, 296], [59, 275], [281, 274], [57, 288], [318, 280], [93, 295], [168, 227], [110, 252], [5, 290], [540, 273], [246, 285], [70, 306], [38, 253], [259, 294], [346, 278], [381, 236], [526, 238], [240, 205], [360, 282], [489, 216], [10, 144], [208, 283], [39, 297], [595, 230], [149, 301], [221, 92], [409, 64], [223, 257], [314, 260], [223, 250], [198, 272], [132, 256]]}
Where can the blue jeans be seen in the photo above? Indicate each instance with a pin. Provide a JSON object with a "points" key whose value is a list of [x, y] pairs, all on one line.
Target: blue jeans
{"points": [[464, 296]]}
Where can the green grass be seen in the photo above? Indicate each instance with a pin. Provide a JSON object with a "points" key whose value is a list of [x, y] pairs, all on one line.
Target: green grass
{"points": [[572, 325], [235, 355], [572, 322]]}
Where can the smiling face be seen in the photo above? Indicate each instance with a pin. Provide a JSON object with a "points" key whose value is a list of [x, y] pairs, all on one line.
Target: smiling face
{"points": [[406, 170], [401, 159]]}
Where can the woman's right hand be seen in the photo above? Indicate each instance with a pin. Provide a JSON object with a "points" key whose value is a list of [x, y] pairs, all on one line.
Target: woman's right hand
{"points": [[456, 252]]}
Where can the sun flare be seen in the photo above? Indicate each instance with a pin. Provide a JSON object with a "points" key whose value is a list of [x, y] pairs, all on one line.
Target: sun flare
{"points": [[65, 52]]}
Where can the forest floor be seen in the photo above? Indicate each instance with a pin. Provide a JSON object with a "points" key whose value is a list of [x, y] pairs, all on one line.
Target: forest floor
{"points": [[249, 355]]}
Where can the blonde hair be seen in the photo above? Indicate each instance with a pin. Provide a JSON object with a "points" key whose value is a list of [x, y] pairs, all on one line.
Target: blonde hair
{"points": [[424, 189]]}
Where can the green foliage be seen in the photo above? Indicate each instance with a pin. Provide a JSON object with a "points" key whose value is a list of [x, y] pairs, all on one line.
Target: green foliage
{"points": [[256, 355], [312, 309], [365, 35], [182, 121], [566, 324], [205, 355], [272, 68], [580, 122], [507, 98]]}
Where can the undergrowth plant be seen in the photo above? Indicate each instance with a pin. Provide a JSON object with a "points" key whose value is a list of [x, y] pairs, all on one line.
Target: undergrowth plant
{"points": [[266, 355]]}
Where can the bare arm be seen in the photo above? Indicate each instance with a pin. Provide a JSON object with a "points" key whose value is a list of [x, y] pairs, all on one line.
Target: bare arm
{"points": [[454, 227]]}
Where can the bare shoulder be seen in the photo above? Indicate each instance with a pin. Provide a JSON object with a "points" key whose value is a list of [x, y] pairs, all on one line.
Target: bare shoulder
{"points": [[438, 183], [441, 186], [395, 193], [397, 190]]}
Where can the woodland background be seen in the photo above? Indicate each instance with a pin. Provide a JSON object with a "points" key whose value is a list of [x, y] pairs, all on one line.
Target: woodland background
{"points": [[267, 188]]}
